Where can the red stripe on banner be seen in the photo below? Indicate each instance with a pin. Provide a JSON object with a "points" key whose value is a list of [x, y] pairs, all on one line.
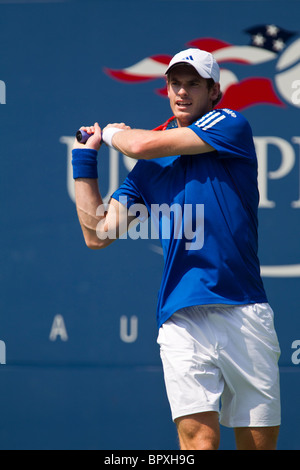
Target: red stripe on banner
{"points": [[250, 92], [162, 92], [208, 44], [126, 77], [162, 58]]}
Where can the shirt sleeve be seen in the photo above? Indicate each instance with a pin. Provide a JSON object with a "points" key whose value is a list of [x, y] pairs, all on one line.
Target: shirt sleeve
{"points": [[228, 132], [129, 195]]}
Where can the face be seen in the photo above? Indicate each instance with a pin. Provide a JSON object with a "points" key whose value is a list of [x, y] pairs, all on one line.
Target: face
{"points": [[189, 95]]}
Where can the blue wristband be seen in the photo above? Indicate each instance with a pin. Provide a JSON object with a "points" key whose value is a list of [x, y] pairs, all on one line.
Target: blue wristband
{"points": [[85, 163]]}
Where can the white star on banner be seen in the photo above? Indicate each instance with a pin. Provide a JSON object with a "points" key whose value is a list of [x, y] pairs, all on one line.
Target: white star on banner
{"points": [[272, 30], [278, 45], [258, 39]]}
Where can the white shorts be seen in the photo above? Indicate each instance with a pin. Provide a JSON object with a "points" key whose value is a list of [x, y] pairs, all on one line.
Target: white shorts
{"points": [[224, 359]]}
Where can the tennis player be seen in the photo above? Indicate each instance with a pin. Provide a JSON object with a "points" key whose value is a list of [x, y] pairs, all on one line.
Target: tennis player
{"points": [[218, 344]]}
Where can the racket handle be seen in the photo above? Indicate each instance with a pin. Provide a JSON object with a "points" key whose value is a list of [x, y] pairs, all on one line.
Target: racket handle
{"points": [[82, 136]]}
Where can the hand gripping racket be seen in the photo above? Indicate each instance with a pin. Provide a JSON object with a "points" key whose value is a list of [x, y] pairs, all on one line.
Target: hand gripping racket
{"points": [[82, 136]]}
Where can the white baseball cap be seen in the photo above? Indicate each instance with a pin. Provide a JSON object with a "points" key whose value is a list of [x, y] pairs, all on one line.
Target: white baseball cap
{"points": [[203, 62]]}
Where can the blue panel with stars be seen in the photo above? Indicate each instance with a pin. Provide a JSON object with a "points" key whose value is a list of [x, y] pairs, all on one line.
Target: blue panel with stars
{"points": [[270, 37]]}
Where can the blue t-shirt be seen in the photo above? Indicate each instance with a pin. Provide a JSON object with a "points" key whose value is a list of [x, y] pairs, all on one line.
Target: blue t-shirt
{"points": [[209, 237]]}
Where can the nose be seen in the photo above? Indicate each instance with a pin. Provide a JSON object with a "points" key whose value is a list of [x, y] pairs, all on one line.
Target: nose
{"points": [[182, 91]]}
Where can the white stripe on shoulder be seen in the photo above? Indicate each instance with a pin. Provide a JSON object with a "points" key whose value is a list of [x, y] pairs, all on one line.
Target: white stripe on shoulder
{"points": [[210, 118], [205, 117], [213, 123]]}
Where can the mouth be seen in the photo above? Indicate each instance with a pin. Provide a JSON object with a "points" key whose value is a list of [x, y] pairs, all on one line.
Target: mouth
{"points": [[183, 104]]}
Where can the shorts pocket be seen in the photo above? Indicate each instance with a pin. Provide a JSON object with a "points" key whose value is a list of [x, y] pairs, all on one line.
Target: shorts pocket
{"points": [[265, 317]]}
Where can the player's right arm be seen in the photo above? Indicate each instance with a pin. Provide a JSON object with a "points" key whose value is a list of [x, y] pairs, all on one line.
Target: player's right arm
{"points": [[100, 224]]}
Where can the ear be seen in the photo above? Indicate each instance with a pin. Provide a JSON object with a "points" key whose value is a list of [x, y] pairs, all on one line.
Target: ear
{"points": [[214, 92]]}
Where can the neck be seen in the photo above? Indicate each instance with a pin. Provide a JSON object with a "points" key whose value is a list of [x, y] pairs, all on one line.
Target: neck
{"points": [[185, 122]]}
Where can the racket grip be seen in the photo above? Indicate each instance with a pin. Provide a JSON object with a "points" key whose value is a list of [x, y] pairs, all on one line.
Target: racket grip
{"points": [[82, 136]]}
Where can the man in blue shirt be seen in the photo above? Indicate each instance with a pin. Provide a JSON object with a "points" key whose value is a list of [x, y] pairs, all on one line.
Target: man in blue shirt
{"points": [[197, 175]]}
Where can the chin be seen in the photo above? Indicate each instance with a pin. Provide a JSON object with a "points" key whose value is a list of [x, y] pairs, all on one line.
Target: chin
{"points": [[185, 119]]}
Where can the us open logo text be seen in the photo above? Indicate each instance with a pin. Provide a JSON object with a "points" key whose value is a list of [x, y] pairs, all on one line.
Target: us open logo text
{"points": [[2, 92]]}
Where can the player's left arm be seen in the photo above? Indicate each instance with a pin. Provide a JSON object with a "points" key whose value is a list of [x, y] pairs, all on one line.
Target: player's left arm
{"points": [[144, 144]]}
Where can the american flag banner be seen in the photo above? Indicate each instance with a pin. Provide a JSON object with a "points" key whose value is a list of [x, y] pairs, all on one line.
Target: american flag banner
{"points": [[267, 43]]}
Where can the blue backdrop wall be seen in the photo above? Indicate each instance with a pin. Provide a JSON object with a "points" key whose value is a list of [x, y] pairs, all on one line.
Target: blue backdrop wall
{"points": [[80, 367]]}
